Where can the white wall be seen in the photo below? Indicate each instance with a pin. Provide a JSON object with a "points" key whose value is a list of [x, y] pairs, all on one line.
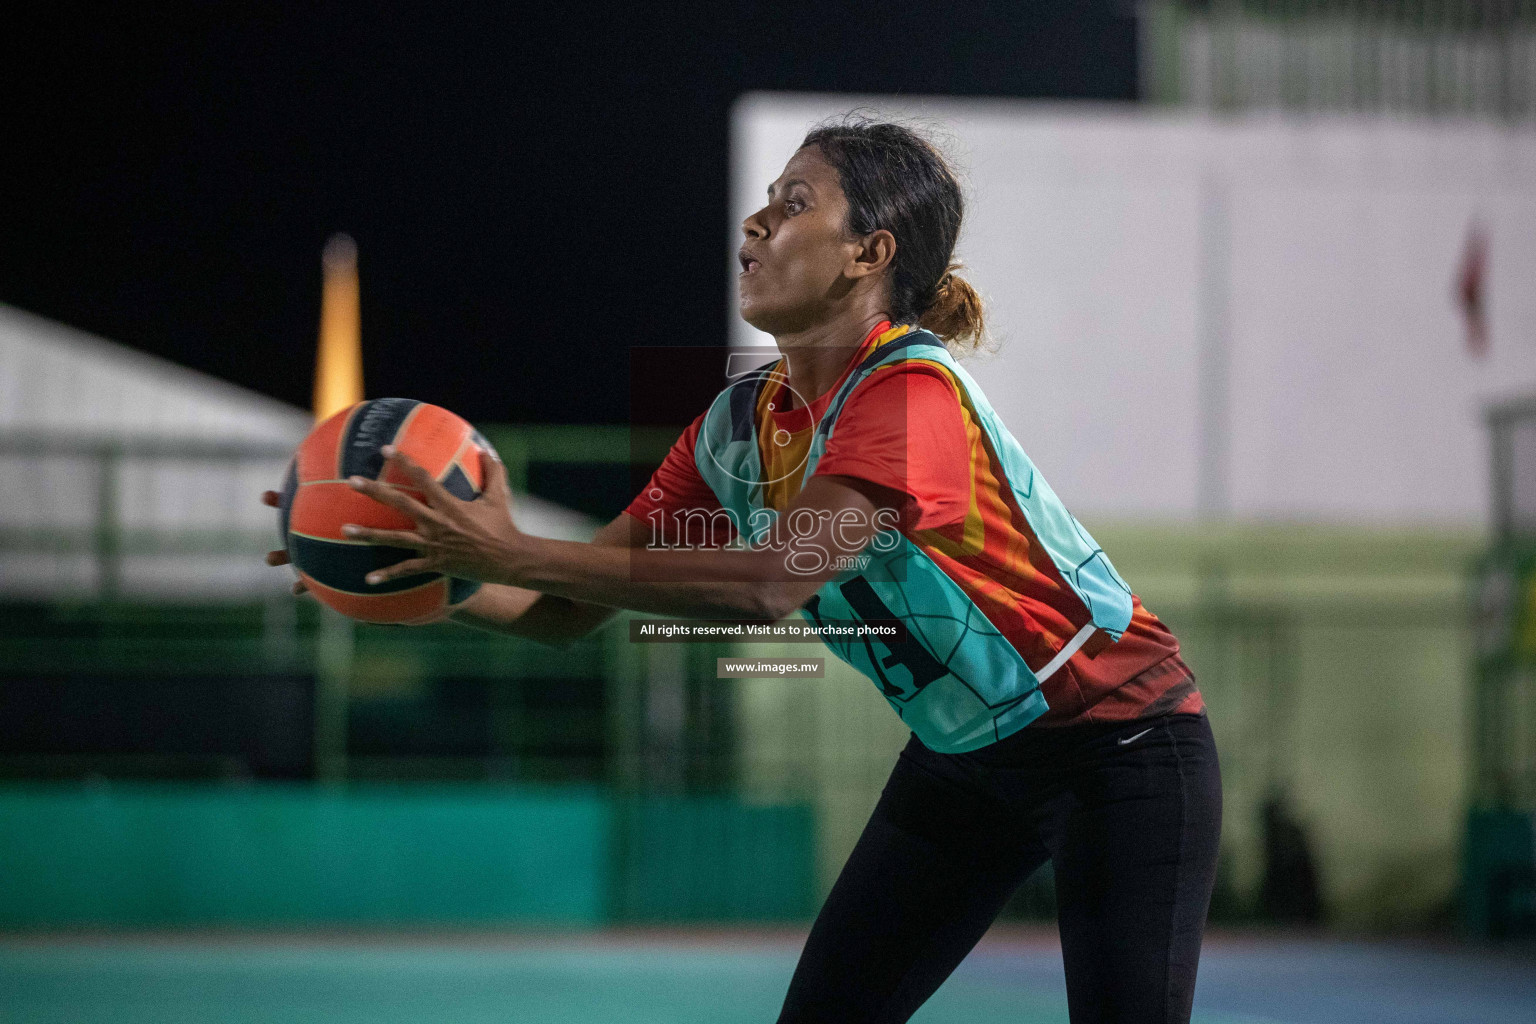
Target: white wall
{"points": [[1097, 234]]}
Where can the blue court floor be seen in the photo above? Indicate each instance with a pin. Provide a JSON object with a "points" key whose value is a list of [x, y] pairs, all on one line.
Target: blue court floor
{"points": [[698, 978]]}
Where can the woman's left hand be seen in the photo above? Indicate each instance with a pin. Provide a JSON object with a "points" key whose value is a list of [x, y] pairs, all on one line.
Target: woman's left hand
{"points": [[471, 540]]}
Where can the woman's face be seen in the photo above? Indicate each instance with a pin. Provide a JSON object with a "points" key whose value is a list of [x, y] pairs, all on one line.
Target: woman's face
{"points": [[797, 249]]}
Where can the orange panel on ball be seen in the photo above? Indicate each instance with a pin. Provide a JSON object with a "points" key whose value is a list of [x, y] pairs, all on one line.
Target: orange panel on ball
{"points": [[432, 436], [322, 509], [317, 454], [470, 463]]}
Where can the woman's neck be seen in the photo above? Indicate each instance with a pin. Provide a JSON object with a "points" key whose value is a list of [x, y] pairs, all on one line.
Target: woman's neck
{"points": [[817, 357]]}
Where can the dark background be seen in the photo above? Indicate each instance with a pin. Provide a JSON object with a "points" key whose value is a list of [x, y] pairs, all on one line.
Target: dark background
{"points": [[532, 191]]}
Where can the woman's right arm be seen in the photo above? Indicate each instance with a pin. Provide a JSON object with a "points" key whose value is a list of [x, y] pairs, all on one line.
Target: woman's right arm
{"points": [[546, 617]]}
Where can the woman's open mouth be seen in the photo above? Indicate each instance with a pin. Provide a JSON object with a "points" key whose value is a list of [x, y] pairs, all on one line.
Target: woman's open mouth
{"points": [[749, 262]]}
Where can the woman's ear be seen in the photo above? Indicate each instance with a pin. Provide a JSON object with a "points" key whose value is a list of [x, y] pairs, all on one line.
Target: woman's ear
{"points": [[875, 253]]}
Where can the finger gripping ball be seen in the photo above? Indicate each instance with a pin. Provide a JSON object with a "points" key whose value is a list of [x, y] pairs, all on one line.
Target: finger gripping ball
{"points": [[317, 502]]}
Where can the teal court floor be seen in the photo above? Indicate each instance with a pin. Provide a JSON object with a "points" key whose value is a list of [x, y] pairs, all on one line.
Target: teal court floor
{"points": [[698, 978]]}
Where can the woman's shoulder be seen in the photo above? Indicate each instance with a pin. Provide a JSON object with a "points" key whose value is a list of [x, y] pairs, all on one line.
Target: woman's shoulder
{"points": [[916, 381], [915, 407]]}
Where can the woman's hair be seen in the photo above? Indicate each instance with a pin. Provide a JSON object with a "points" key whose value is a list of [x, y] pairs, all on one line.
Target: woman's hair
{"points": [[895, 179]]}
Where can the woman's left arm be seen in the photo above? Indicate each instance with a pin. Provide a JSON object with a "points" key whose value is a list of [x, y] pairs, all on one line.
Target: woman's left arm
{"points": [[833, 517]]}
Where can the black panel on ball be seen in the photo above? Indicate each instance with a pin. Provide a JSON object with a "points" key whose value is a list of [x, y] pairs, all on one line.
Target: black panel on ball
{"points": [[343, 566], [373, 426]]}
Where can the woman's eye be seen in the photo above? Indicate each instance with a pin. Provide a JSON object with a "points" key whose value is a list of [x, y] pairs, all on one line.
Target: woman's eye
{"points": [[793, 206]]}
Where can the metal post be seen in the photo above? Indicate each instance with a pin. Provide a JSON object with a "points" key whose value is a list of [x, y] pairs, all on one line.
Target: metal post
{"points": [[666, 716], [109, 533], [1226, 24], [1214, 500], [333, 674], [624, 670], [513, 449], [280, 632], [1159, 29], [1500, 474], [1280, 701]]}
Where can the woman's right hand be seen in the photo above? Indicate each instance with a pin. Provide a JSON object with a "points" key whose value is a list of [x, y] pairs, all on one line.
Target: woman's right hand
{"points": [[280, 557]]}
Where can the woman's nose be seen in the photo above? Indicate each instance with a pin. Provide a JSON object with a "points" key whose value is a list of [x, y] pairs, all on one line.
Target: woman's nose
{"points": [[753, 226]]}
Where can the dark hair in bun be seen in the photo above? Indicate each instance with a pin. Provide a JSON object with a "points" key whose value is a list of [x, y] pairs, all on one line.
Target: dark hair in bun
{"points": [[896, 180]]}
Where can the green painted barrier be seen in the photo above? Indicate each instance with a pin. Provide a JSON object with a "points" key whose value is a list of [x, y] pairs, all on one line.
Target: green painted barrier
{"points": [[165, 855], [1499, 874], [145, 855], [694, 858]]}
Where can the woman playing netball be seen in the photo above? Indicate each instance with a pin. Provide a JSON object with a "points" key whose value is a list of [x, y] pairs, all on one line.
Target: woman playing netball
{"points": [[1051, 715]]}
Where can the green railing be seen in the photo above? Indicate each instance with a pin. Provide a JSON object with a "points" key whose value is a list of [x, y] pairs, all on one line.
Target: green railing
{"points": [[110, 541], [1336, 664]]}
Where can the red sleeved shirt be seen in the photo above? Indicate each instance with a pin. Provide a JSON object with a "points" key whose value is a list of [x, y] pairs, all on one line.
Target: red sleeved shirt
{"points": [[908, 428]]}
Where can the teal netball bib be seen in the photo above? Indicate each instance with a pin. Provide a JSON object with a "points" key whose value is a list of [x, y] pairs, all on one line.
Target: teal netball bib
{"points": [[956, 681]]}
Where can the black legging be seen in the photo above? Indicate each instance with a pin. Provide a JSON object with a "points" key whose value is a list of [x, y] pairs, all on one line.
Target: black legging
{"points": [[1129, 814]]}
